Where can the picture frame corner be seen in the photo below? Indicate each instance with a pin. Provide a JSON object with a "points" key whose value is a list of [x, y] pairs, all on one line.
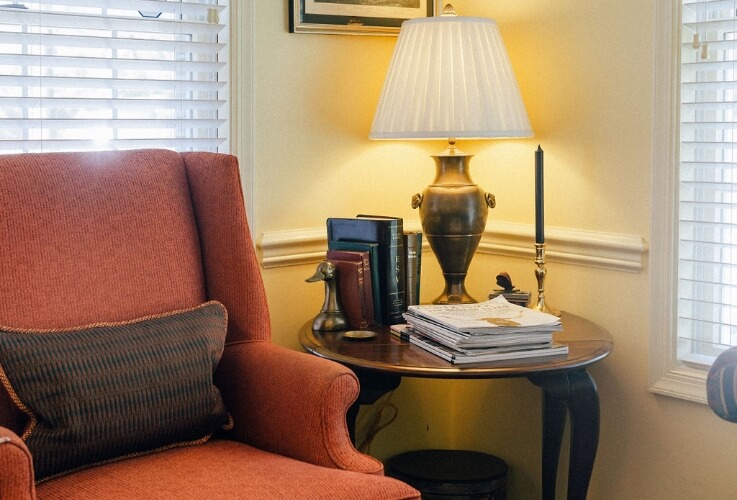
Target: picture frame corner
{"points": [[355, 17]]}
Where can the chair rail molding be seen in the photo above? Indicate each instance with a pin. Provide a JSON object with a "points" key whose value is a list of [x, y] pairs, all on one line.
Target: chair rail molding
{"points": [[617, 252]]}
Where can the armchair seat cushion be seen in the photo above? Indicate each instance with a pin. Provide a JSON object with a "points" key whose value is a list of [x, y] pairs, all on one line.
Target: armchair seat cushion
{"points": [[220, 469]]}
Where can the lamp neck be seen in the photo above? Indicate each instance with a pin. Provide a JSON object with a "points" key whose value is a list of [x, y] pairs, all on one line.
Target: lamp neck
{"points": [[452, 168]]}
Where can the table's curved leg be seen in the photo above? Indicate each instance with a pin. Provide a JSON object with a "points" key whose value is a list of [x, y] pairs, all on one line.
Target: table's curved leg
{"points": [[374, 384], [554, 422], [584, 408], [571, 393]]}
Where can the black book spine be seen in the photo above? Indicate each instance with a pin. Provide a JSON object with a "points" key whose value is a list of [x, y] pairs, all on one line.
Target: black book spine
{"points": [[413, 265], [395, 273]]}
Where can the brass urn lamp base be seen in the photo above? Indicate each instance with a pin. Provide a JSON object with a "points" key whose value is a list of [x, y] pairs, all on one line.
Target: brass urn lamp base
{"points": [[453, 213]]}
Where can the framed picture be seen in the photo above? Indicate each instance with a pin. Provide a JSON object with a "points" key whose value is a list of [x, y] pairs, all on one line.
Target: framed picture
{"points": [[355, 17]]}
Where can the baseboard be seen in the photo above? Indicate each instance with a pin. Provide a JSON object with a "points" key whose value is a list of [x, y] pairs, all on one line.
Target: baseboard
{"points": [[617, 252]]}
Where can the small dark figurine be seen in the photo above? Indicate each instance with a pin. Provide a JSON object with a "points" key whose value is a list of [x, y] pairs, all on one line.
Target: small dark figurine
{"points": [[331, 316], [512, 294], [505, 281]]}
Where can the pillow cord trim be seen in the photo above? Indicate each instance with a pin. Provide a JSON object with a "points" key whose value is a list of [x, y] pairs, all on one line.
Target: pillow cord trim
{"points": [[108, 324]]}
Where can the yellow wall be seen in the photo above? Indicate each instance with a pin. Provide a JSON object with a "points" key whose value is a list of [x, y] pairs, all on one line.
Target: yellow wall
{"points": [[585, 71]]}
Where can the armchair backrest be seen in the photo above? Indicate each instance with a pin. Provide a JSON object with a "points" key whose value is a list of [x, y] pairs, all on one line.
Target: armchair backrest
{"points": [[110, 236]]}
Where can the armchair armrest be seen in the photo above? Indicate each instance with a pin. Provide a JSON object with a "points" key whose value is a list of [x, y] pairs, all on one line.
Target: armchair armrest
{"points": [[16, 464], [721, 385], [292, 403]]}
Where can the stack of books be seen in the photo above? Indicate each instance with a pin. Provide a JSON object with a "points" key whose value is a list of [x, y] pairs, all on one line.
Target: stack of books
{"points": [[378, 267], [494, 330]]}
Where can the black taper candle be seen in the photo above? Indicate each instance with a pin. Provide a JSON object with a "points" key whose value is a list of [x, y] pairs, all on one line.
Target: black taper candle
{"points": [[539, 204]]}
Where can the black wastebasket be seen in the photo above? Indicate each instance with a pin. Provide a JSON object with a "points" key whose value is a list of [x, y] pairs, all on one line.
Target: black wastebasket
{"points": [[451, 474]]}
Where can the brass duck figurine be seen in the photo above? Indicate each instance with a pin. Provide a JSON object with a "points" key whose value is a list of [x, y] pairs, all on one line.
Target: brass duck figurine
{"points": [[331, 317]]}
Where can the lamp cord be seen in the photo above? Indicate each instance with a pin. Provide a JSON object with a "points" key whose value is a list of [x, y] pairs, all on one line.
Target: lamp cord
{"points": [[376, 426]]}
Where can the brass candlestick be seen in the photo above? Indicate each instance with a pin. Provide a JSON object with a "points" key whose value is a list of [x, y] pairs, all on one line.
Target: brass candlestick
{"points": [[540, 273]]}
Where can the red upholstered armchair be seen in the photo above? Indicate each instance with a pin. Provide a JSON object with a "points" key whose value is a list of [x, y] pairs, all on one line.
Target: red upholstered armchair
{"points": [[114, 252]]}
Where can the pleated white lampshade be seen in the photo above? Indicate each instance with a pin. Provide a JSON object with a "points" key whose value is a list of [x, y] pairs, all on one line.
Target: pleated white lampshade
{"points": [[450, 78]]}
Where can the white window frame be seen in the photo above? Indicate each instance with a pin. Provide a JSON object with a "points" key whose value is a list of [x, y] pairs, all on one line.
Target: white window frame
{"points": [[668, 375], [241, 42]]}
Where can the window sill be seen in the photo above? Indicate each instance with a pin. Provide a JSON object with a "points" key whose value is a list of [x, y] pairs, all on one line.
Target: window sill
{"points": [[683, 382]]}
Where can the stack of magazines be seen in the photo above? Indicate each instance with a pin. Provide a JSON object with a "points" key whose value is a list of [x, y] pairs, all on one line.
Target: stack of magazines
{"points": [[487, 331]]}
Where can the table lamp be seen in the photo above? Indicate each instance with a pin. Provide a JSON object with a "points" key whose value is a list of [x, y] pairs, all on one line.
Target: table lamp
{"points": [[450, 78]]}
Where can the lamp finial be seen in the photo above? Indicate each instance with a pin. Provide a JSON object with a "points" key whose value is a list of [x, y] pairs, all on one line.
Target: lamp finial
{"points": [[448, 10]]}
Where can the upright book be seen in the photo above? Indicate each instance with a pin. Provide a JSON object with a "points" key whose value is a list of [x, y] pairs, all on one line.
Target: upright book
{"points": [[400, 260], [354, 285], [372, 249], [412, 266], [388, 234]]}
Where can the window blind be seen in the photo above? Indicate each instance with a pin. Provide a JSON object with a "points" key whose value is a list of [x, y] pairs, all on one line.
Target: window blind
{"points": [[113, 74], [707, 265]]}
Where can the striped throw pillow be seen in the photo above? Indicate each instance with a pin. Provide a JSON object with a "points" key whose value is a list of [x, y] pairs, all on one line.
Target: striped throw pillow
{"points": [[101, 392]]}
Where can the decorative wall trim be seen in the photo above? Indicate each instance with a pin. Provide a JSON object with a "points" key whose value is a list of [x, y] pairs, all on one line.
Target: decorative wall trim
{"points": [[615, 252], [291, 248]]}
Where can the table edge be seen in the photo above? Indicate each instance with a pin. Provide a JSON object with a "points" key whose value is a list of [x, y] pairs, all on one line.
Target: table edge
{"points": [[488, 370]]}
